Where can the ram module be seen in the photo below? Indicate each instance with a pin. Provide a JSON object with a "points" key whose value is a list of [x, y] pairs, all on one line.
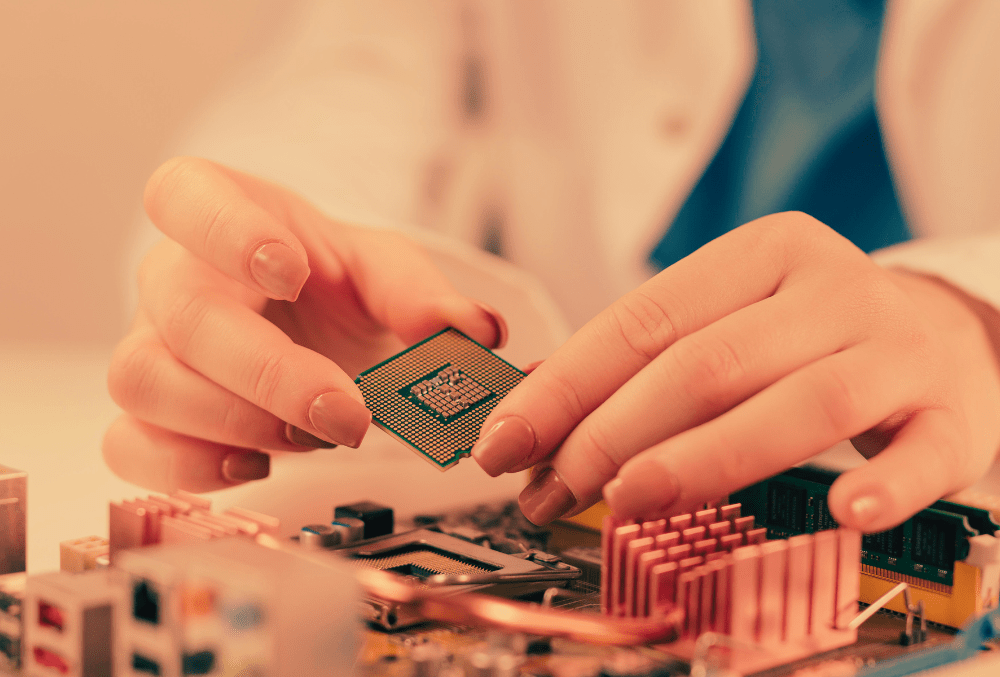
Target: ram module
{"points": [[923, 550]]}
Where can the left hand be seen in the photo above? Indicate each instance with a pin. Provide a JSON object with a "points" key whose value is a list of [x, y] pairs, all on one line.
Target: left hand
{"points": [[254, 315], [761, 349]]}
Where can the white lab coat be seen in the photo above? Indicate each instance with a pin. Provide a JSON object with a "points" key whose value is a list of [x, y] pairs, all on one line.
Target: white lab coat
{"points": [[599, 119]]}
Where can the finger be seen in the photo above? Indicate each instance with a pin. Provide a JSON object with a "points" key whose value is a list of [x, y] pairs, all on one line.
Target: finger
{"points": [[147, 381], [403, 290], [696, 379], [207, 209], [926, 459], [229, 344], [246, 228], [734, 271], [165, 461], [808, 411]]}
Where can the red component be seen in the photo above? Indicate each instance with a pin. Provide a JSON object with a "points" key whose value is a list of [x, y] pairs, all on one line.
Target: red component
{"points": [[654, 528], [619, 549], [780, 600], [662, 587], [731, 541], [729, 512], [679, 552], [848, 577], [773, 588], [744, 595], [668, 540], [688, 599], [704, 547], [719, 529], [799, 591], [689, 563], [608, 527], [646, 563], [824, 583], [723, 586], [635, 549], [703, 518], [50, 616], [680, 522], [50, 659], [709, 594], [693, 534]]}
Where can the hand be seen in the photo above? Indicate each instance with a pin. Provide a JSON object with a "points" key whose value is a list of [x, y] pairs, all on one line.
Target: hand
{"points": [[254, 316], [761, 349]]}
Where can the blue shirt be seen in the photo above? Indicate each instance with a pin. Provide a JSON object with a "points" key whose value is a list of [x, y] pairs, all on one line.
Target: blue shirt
{"points": [[806, 136]]}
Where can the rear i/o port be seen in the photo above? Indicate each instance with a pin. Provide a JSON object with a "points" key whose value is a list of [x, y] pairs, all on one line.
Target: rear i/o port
{"points": [[145, 665], [10, 648], [198, 663], [145, 602]]}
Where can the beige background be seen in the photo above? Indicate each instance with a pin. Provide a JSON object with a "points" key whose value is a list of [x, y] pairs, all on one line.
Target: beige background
{"points": [[91, 93]]}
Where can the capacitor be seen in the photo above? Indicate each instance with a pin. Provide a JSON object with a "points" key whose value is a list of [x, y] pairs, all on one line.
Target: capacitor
{"points": [[317, 536], [351, 529]]}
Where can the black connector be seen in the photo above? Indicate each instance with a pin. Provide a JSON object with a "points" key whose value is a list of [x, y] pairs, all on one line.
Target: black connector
{"points": [[199, 663], [145, 665], [379, 519], [145, 602]]}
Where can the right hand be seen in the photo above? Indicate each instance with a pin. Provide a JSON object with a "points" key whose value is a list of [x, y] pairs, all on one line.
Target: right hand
{"points": [[254, 315]]}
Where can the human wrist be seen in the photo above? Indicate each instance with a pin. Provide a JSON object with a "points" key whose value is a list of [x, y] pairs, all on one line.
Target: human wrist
{"points": [[952, 309], [970, 329]]}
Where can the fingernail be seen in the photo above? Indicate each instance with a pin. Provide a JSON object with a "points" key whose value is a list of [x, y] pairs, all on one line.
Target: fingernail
{"points": [[279, 270], [510, 441], [499, 325], [613, 490], [246, 466], [864, 510], [546, 498], [643, 488], [297, 435], [340, 418], [532, 367]]}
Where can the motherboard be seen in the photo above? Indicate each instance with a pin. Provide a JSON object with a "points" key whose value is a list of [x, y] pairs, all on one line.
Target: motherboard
{"points": [[765, 583]]}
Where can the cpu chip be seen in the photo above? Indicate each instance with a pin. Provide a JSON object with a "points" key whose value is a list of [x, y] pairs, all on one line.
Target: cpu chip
{"points": [[435, 395]]}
